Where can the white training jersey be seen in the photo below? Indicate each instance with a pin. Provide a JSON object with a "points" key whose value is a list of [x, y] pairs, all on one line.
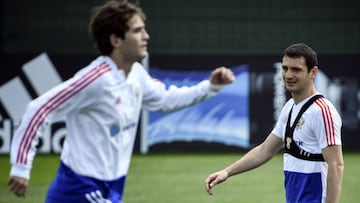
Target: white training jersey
{"points": [[318, 127], [101, 108]]}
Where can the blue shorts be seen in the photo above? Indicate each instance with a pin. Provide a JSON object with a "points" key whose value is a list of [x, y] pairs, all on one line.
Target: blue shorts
{"points": [[70, 187], [301, 187]]}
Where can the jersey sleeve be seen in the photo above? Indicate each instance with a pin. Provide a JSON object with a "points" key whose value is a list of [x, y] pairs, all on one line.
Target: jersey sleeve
{"points": [[327, 124], [159, 98], [40, 113]]}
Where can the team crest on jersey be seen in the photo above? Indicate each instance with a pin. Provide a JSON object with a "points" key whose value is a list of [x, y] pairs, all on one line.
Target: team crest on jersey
{"points": [[300, 123]]}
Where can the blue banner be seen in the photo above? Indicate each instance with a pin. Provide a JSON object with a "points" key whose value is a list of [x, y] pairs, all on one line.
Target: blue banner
{"points": [[222, 119]]}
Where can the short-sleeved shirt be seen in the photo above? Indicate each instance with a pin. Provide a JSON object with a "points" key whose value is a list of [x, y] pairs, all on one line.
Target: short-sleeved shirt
{"points": [[318, 127]]}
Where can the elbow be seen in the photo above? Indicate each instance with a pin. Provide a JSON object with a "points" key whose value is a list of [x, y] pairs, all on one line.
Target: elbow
{"points": [[337, 167], [267, 153], [340, 167]]}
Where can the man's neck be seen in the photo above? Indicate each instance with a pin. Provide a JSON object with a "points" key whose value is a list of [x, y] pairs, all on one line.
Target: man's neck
{"points": [[299, 97], [122, 64]]}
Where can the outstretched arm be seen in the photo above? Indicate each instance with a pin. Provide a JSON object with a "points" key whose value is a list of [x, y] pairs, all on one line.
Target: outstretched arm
{"points": [[158, 97], [254, 158]]}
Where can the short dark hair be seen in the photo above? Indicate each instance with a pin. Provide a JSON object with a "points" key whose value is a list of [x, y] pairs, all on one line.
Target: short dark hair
{"points": [[302, 50], [111, 18]]}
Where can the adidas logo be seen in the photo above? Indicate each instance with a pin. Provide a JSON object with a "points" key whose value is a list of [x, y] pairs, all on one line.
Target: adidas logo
{"points": [[14, 96]]}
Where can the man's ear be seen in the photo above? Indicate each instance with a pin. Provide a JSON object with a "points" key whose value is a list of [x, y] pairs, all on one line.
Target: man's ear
{"points": [[314, 71], [115, 40]]}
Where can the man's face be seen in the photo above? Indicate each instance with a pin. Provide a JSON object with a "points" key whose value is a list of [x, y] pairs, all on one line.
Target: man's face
{"points": [[295, 74], [134, 46]]}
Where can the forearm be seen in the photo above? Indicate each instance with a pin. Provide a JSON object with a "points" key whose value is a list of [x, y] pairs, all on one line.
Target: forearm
{"points": [[176, 98], [335, 161], [334, 183], [253, 159], [257, 156]]}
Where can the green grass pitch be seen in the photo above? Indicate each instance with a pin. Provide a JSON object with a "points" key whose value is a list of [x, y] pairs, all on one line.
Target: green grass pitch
{"points": [[179, 178]]}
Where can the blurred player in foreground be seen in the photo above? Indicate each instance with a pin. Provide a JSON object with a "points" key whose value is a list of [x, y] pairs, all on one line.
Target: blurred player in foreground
{"points": [[309, 128], [101, 105]]}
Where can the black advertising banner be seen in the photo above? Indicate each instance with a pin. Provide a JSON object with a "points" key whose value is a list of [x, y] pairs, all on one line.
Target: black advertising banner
{"points": [[24, 77]]}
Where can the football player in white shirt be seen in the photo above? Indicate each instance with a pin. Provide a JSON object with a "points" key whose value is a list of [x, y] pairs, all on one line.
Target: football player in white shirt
{"points": [[101, 105], [313, 160]]}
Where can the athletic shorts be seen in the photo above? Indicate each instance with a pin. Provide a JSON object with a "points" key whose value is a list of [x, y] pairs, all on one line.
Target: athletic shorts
{"points": [[70, 187]]}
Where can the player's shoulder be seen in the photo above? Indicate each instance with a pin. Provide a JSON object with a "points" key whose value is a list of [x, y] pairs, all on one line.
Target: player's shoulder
{"points": [[323, 103], [324, 107], [97, 66], [94, 75], [138, 67]]}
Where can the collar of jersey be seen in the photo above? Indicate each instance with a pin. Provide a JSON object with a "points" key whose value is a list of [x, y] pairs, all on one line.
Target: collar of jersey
{"points": [[118, 73]]}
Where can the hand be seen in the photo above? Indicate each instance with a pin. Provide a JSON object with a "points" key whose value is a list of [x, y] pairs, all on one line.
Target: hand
{"points": [[18, 185], [215, 179], [222, 76]]}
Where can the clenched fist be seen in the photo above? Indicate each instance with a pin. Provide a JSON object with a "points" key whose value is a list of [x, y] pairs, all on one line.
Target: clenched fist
{"points": [[222, 76]]}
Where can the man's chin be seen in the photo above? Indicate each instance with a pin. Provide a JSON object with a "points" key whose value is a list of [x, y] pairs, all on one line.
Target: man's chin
{"points": [[142, 57], [290, 88]]}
